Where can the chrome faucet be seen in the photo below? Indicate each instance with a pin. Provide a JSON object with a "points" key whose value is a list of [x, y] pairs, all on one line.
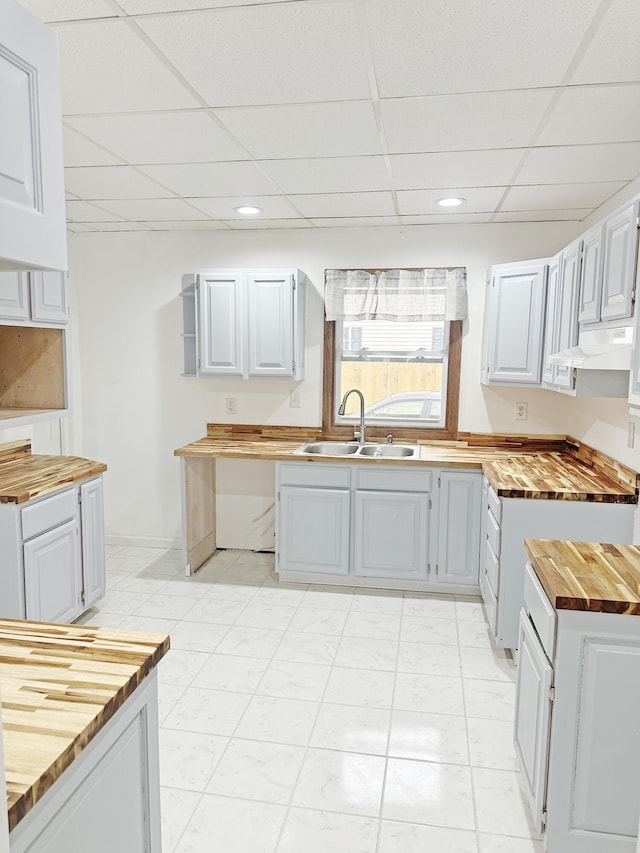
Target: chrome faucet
{"points": [[359, 435]]}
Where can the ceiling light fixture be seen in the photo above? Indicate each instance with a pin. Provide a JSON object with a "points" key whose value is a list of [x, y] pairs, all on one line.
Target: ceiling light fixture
{"points": [[248, 210], [450, 202]]}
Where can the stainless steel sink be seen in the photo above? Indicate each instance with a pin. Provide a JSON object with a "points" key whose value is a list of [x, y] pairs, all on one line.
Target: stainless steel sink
{"points": [[350, 448]]}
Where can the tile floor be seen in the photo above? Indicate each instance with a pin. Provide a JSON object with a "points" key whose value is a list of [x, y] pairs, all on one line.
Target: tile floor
{"points": [[306, 719]]}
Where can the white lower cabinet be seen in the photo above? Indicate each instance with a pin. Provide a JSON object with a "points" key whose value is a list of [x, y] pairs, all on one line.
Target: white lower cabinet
{"points": [[390, 535], [314, 530], [459, 508], [53, 564], [577, 740]]}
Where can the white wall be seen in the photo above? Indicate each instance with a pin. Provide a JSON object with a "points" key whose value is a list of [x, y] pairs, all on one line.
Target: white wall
{"points": [[135, 408]]}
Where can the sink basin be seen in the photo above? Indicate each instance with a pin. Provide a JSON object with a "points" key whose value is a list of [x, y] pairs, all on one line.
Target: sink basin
{"points": [[350, 448], [397, 451], [329, 448]]}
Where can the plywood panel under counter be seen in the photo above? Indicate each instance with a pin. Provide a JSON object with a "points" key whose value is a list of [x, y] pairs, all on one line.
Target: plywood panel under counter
{"points": [[32, 370]]}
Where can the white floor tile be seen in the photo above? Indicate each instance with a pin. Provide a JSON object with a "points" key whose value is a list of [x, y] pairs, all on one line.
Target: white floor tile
{"points": [[294, 680], [307, 831], [475, 634], [231, 672], [257, 771], [492, 664], [263, 615], [161, 606], [469, 611], [352, 728], [214, 712], [133, 583], [122, 603], [434, 694], [278, 720], [367, 654], [429, 659], [428, 792], [491, 744], [429, 737], [180, 667], [416, 838], [252, 642], [187, 759], [223, 824], [98, 619], [228, 591], [340, 782], [197, 636], [307, 648], [429, 606], [149, 624], [367, 687], [329, 598], [376, 626], [122, 562], [282, 594], [378, 601], [500, 805], [168, 695], [417, 629], [312, 620], [493, 700], [177, 807], [216, 610], [502, 844], [184, 587]]}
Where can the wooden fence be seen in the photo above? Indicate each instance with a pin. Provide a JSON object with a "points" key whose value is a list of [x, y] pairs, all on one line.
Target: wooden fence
{"points": [[378, 380]]}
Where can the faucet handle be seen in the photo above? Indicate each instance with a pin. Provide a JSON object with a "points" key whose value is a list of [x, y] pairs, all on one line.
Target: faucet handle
{"points": [[389, 439]]}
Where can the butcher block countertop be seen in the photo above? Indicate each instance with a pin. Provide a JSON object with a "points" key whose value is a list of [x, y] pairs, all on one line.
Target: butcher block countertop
{"points": [[59, 685], [550, 468], [25, 475], [587, 575]]}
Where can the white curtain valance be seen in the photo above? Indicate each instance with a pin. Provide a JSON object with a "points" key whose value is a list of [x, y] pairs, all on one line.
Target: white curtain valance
{"points": [[406, 295]]}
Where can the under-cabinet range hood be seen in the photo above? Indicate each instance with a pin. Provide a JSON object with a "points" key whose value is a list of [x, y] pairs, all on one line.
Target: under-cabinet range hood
{"points": [[598, 349]]}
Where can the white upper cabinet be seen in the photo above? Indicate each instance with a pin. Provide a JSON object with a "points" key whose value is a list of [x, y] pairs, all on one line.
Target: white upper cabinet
{"points": [[565, 326], [550, 336], [14, 295], [49, 297], [591, 277], [245, 323], [515, 312], [619, 260], [32, 213]]}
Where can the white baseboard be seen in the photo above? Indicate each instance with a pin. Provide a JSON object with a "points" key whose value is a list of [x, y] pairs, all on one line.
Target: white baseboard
{"points": [[143, 541]]}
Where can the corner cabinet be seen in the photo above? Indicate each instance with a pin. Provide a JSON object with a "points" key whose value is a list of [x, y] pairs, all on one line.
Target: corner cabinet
{"points": [[53, 554], [32, 212], [244, 323], [514, 323], [562, 315]]}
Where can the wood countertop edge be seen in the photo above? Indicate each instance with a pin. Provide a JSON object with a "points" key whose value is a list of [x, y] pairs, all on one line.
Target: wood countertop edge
{"points": [[21, 806], [81, 469]]}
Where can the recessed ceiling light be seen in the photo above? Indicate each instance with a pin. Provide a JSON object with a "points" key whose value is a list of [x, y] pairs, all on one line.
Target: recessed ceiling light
{"points": [[248, 210], [450, 202]]}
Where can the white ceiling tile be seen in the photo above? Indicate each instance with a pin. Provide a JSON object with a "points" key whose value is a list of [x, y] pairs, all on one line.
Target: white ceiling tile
{"points": [[463, 122], [161, 137], [329, 174], [273, 207], [478, 200], [69, 10], [186, 225], [265, 224], [79, 227], [344, 204], [594, 114], [560, 196], [305, 130], [96, 182], [213, 179], [356, 221], [82, 211], [581, 163], [119, 226], [105, 67], [266, 54], [455, 169], [541, 215], [614, 53], [443, 46], [139, 7], [447, 219], [79, 151], [153, 209]]}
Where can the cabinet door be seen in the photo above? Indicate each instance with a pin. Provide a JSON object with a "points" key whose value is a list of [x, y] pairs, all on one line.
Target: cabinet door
{"points": [[551, 320], [14, 294], [591, 275], [270, 299], [221, 324], [49, 297], [53, 575], [313, 530], [32, 215], [618, 270], [567, 311], [390, 535], [459, 508], [533, 717], [93, 551], [518, 303]]}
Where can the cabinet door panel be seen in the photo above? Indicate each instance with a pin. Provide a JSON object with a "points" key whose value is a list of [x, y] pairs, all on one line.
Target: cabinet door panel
{"points": [[222, 330], [32, 216], [49, 297], [459, 527], [93, 552], [390, 535], [620, 245], [313, 530], [270, 299], [567, 309], [518, 303], [533, 717], [53, 575], [14, 295], [591, 275], [551, 321]]}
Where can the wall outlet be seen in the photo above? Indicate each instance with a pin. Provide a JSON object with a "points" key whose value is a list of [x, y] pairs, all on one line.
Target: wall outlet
{"points": [[294, 398], [631, 434], [231, 405], [520, 411]]}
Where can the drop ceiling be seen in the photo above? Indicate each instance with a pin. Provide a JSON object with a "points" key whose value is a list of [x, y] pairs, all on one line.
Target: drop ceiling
{"points": [[344, 112]]}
